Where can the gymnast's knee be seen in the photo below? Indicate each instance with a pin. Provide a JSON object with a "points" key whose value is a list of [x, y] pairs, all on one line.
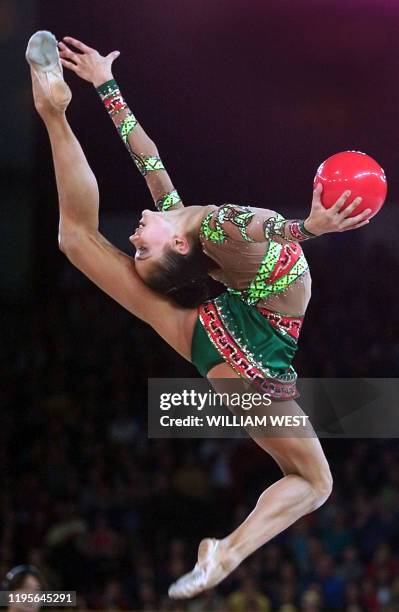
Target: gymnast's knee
{"points": [[322, 487]]}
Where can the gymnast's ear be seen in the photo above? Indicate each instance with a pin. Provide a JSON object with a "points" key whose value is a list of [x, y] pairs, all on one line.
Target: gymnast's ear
{"points": [[181, 245]]}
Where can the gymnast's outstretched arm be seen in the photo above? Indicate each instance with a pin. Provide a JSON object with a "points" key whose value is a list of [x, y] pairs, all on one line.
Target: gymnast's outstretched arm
{"points": [[258, 224], [97, 69]]}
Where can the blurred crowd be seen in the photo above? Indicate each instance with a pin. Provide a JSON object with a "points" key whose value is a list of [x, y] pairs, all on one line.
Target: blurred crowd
{"points": [[103, 510]]}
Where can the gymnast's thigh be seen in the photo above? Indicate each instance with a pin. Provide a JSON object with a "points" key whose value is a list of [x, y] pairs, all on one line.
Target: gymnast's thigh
{"points": [[301, 453], [176, 326]]}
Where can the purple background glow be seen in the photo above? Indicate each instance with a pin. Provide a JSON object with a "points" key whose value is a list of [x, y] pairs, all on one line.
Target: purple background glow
{"points": [[244, 100]]}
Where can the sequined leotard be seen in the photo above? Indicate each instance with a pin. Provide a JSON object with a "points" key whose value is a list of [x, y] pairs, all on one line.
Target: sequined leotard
{"points": [[255, 325], [273, 274]]}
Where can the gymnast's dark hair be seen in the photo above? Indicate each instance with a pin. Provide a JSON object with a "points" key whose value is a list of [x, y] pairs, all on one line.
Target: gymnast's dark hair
{"points": [[15, 578], [184, 278]]}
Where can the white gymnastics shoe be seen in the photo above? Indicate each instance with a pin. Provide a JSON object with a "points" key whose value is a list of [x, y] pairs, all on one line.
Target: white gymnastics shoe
{"points": [[207, 572], [49, 87]]}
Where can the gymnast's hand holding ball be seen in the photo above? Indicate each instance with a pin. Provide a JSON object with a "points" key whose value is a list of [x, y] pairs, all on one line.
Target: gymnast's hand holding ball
{"points": [[336, 218], [361, 177], [87, 62]]}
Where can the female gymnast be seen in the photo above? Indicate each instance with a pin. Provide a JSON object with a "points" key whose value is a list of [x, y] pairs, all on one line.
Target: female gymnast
{"points": [[250, 332]]}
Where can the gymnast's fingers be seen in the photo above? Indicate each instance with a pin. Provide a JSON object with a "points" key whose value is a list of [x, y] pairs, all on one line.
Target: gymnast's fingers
{"points": [[349, 209], [335, 208], [357, 225], [70, 65], [66, 53], [78, 44], [353, 222]]}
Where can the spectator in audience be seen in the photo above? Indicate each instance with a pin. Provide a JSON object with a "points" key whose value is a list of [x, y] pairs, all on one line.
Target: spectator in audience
{"points": [[22, 581]]}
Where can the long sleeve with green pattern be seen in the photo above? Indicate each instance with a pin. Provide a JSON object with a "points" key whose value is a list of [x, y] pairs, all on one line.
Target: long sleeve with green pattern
{"points": [[141, 148], [251, 224]]}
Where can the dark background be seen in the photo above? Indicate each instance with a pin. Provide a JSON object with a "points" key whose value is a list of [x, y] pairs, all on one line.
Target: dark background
{"points": [[244, 99]]}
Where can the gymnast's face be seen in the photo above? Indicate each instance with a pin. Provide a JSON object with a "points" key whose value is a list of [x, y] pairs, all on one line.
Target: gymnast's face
{"points": [[156, 232]]}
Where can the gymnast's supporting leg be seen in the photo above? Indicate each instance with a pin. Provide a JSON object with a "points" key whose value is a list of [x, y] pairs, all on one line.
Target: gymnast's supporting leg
{"points": [[305, 486]]}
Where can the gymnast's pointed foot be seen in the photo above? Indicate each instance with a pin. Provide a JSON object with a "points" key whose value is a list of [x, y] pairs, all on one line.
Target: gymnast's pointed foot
{"points": [[213, 565], [50, 92]]}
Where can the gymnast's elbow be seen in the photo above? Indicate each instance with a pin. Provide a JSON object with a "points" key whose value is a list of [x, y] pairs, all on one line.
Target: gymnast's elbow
{"points": [[70, 241], [66, 241]]}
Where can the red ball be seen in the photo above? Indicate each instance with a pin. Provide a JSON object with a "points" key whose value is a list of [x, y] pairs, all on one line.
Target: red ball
{"points": [[355, 171]]}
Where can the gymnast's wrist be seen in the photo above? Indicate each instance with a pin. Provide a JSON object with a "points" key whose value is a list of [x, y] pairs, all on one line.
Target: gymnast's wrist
{"points": [[113, 101], [310, 228], [102, 78]]}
